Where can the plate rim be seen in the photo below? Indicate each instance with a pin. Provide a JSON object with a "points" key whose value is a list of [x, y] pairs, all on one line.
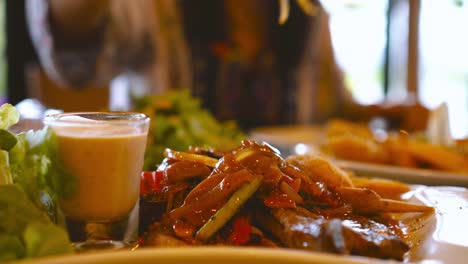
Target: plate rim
{"points": [[256, 254]]}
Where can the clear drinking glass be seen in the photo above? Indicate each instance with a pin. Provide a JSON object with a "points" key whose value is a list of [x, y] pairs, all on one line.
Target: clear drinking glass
{"points": [[105, 152]]}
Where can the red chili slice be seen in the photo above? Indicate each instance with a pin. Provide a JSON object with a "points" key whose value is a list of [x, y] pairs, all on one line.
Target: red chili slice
{"points": [[240, 231], [152, 182]]}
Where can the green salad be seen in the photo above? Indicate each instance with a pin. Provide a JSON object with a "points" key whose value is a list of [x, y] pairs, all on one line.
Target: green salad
{"points": [[30, 184], [179, 121]]}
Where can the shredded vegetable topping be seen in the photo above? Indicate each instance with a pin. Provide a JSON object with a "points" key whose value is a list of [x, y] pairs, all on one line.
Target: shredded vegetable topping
{"points": [[252, 196]]}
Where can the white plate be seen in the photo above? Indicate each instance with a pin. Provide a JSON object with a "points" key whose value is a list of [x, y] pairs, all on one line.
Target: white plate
{"points": [[409, 175], [305, 139], [446, 241]]}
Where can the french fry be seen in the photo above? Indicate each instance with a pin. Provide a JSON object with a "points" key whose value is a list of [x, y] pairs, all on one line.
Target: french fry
{"points": [[367, 201], [438, 156], [321, 170], [351, 147], [336, 127], [385, 188], [353, 141], [394, 206], [398, 150]]}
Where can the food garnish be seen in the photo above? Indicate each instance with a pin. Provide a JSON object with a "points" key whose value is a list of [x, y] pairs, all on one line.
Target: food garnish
{"points": [[253, 196]]}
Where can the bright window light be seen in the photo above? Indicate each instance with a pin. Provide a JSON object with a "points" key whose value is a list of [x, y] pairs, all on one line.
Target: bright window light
{"points": [[358, 36], [444, 60]]}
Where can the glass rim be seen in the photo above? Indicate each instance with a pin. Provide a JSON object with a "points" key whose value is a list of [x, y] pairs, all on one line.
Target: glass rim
{"points": [[122, 118]]}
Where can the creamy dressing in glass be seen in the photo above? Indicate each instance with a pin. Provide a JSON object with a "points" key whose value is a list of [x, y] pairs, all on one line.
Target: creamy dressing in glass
{"points": [[107, 163]]}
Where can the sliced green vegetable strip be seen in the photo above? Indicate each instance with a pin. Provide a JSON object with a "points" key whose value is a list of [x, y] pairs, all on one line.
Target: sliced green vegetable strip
{"points": [[179, 155], [223, 215]]}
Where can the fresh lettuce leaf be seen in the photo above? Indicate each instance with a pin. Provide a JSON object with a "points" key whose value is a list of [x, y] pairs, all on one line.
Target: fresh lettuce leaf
{"points": [[36, 167], [31, 182], [44, 239], [17, 210], [11, 248], [8, 116], [178, 121], [25, 230]]}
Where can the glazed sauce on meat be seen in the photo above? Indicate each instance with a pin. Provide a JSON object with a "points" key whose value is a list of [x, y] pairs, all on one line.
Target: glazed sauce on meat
{"points": [[291, 207], [205, 199]]}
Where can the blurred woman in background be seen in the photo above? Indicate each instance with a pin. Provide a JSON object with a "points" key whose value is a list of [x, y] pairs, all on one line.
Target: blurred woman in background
{"points": [[232, 54]]}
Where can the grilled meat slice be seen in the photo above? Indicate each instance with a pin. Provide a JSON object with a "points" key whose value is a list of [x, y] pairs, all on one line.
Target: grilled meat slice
{"points": [[299, 228], [367, 237], [296, 231]]}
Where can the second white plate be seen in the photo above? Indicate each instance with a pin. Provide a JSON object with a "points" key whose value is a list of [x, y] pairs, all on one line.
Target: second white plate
{"points": [[409, 175]]}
